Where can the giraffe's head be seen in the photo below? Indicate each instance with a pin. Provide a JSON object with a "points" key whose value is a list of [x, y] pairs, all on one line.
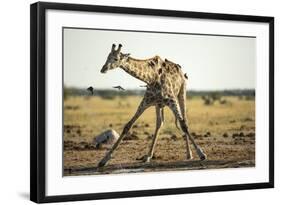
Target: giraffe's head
{"points": [[114, 59]]}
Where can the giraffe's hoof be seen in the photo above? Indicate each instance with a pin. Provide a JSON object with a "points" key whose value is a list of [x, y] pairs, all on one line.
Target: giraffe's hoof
{"points": [[201, 154], [145, 159], [190, 157], [203, 157], [103, 162]]}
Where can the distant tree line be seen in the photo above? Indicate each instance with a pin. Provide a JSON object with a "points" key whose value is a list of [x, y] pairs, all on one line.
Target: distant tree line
{"points": [[216, 94], [112, 93]]}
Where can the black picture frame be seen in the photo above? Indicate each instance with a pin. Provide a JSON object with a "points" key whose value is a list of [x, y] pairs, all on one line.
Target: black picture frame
{"points": [[38, 101]]}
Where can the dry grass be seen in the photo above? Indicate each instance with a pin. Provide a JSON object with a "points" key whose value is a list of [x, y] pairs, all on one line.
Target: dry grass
{"points": [[225, 132]]}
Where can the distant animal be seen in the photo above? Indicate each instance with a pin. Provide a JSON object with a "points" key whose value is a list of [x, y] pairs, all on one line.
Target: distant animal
{"points": [[107, 137], [166, 87], [91, 90], [119, 87]]}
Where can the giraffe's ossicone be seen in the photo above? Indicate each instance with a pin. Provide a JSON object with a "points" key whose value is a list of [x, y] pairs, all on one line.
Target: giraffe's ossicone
{"points": [[166, 86]]}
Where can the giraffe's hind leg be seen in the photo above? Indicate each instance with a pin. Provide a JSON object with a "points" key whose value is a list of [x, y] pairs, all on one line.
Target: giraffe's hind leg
{"points": [[142, 107], [159, 123], [173, 105]]}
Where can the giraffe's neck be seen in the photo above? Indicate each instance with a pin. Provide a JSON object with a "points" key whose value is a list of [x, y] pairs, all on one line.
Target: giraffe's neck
{"points": [[140, 69]]}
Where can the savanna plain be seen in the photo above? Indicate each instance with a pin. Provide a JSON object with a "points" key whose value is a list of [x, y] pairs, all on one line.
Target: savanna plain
{"points": [[224, 128]]}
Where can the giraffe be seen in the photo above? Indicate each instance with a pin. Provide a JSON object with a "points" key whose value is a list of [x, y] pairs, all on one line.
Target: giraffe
{"points": [[165, 87]]}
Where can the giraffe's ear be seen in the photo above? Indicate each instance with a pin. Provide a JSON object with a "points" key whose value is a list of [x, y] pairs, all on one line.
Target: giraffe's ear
{"points": [[119, 47]]}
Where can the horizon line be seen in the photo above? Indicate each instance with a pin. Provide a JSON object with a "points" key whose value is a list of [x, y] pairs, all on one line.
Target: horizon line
{"points": [[139, 88]]}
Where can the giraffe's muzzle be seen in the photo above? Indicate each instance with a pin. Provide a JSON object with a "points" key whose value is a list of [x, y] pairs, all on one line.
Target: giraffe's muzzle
{"points": [[104, 69]]}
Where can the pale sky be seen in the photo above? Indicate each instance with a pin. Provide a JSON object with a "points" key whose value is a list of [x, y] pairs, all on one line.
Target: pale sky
{"points": [[211, 62]]}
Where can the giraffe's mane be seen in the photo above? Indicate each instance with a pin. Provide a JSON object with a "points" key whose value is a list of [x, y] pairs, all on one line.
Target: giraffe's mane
{"points": [[144, 60]]}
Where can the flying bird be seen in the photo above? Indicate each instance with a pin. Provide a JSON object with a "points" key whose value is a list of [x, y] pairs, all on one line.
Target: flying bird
{"points": [[91, 90], [119, 87]]}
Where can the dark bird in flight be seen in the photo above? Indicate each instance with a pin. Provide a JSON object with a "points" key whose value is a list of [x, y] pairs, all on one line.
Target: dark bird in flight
{"points": [[119, 87], [91, 90]]}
